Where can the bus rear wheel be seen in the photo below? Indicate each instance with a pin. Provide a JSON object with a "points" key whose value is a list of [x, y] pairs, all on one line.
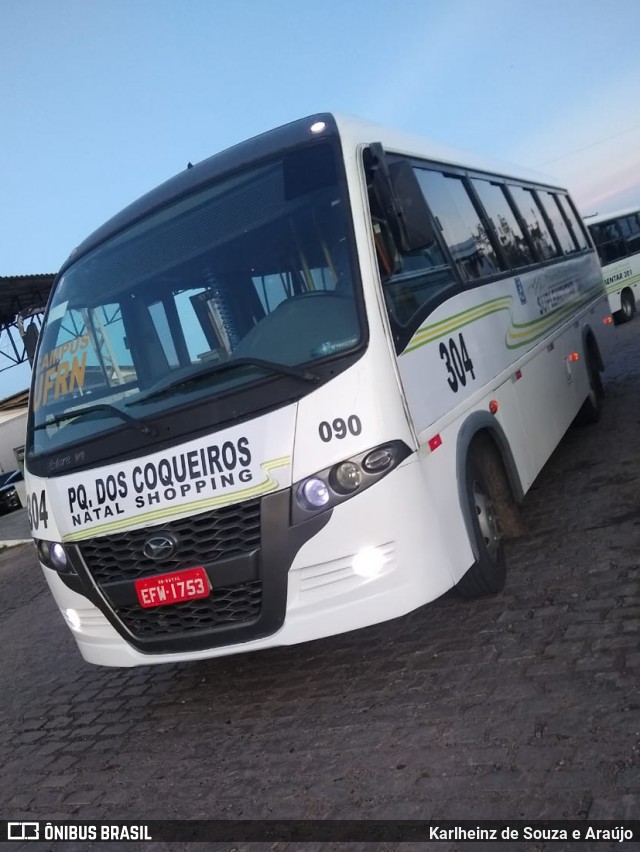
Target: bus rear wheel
{"points": [[485, 485], [627, 307]]}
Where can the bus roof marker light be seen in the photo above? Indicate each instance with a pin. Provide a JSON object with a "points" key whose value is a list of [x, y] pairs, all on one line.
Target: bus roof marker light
{"points": [[318, 127], [494, 406]]}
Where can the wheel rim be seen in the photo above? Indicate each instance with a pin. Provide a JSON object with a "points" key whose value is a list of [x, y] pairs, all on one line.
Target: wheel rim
{"points": [[487, 521]]}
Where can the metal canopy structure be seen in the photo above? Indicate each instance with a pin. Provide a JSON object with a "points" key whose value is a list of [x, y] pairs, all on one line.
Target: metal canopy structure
{"points": [[22, 301]]}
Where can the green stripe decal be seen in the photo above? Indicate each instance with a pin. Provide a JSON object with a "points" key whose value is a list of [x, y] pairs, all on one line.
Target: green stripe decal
{"points": [[517, 335], [428, 333]]}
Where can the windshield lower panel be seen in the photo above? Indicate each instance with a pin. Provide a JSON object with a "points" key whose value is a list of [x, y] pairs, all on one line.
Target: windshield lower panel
{"points": [[257, 268]]}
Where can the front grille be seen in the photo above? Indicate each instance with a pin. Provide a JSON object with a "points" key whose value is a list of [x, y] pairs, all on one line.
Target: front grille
{"points": [[203, 539], [238, 604]]}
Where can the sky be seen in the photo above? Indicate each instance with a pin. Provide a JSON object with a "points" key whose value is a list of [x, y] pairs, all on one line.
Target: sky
{"points": [[101, 100]]}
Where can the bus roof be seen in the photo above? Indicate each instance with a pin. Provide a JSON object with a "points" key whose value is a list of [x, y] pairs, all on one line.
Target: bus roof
{"points": [[360, 132], [597, 218], [353, 133]]}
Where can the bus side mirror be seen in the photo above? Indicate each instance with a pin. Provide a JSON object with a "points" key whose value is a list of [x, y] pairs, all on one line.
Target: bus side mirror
{"points": [[400, 197]]}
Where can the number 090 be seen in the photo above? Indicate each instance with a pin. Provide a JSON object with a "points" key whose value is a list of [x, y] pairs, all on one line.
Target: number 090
{"points": [[339, 428]]}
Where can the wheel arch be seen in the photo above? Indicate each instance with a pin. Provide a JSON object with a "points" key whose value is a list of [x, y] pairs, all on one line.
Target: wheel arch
{"points": [[590, 345], [482, 425]]}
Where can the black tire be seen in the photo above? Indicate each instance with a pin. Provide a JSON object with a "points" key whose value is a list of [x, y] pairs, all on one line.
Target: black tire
{"points": [[627, 307], [485, 487], [592, 406]]}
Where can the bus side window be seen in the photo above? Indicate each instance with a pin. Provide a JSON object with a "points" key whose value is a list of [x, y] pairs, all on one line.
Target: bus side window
{"points": [[574, 222], [462, 228], [608, 239], [411, 281], [535, 222], [514, 244], [556, 219], [631, 232]]}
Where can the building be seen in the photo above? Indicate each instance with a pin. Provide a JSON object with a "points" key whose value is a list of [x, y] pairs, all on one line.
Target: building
{"points": [[22, 301]]}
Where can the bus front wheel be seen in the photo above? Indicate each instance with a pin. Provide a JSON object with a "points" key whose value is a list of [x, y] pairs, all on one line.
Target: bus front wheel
{"points": [[592, 406], [485, 485]]}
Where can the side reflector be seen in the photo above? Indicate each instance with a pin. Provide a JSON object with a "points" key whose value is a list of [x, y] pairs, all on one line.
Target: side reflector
{"points": [[493, 406], [574, 356], [608, 320], [518, 374], [435, 442]]}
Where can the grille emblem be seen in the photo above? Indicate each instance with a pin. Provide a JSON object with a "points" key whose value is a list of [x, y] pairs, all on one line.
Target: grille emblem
{"points": [[160, 546]]}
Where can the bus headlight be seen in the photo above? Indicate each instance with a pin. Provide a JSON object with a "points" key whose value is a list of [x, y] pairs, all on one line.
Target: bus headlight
{"points": [[378, 460], [338, 483], [52, 554], [58, 556], [347, 477], [313, 493]]}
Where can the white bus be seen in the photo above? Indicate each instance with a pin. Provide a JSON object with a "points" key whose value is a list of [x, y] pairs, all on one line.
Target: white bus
{"points": [[617, 240], [300, 388]]}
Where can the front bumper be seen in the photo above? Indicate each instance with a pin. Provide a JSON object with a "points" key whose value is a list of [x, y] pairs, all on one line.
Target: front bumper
{"points": [[354, 566]]}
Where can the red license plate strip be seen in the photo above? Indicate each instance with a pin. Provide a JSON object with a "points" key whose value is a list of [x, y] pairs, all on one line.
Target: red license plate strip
{"points": [[165, 589]]}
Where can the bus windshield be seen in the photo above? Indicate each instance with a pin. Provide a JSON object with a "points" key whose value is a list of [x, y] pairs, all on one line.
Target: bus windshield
{"points": [[242, 281]]}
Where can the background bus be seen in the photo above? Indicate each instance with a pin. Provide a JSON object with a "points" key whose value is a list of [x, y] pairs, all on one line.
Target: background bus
{"points": [[617, 239], [299, 388]]}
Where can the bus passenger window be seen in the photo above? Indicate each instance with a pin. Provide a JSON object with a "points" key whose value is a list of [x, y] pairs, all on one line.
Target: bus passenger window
{"points": [[608, 239], [460, 224], [558, 224], [576, 225], [505, 225], [631, 232], [535, 222]]}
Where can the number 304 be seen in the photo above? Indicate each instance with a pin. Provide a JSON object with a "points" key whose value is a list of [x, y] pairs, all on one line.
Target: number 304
{"points": [[457, 362]]}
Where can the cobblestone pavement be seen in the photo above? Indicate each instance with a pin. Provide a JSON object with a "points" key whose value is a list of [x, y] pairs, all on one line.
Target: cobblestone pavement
{"points": [[521, 706]]}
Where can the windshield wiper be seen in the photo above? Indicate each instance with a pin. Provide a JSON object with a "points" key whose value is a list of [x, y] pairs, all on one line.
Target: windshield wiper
{"points": [[138, 424], [231, 364]]}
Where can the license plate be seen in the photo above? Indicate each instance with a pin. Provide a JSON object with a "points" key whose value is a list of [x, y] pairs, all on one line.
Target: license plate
{"points": [[165, 589]]}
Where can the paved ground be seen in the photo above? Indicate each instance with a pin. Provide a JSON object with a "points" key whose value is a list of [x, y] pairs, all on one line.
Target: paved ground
{"points": [[14, 527], [523, 706]]}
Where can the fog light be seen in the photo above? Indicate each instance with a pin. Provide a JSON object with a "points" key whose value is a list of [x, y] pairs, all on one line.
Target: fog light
{"points": [[368, 562], [58, 556], [73, 619], [348, 476], [313, 493]]}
